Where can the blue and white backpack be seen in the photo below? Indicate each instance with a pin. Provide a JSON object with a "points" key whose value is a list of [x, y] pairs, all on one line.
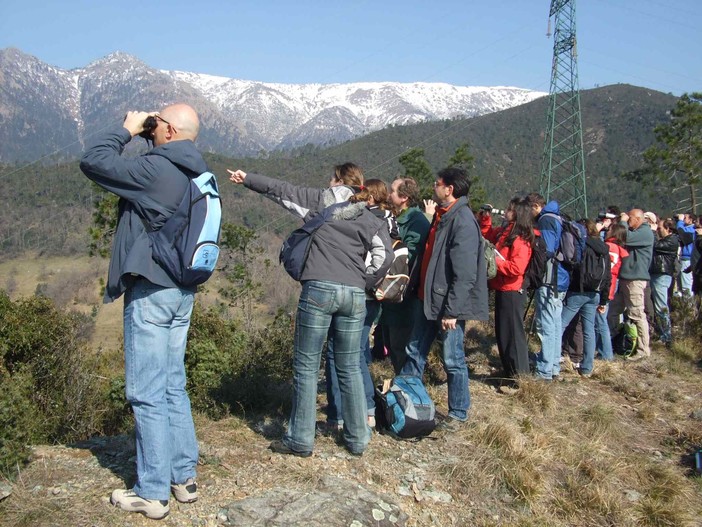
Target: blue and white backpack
{"points": [[407, 411], [187, 246]]}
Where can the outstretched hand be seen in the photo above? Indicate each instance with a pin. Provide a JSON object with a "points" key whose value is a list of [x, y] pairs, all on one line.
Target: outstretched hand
{"points": [[237, 176]]}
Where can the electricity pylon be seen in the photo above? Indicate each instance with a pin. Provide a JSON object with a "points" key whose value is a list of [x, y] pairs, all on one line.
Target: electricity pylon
{"points": [[563, 161]]}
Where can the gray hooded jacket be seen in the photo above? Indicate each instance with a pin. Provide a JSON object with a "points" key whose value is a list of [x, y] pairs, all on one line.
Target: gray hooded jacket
{"points": [[150, 186]]}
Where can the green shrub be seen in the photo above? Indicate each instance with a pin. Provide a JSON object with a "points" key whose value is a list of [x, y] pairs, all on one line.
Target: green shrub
{"points": [[50, 393], [229, 370]]}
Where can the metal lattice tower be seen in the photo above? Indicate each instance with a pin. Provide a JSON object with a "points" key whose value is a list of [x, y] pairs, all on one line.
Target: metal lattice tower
{"points": [[563, 162]]}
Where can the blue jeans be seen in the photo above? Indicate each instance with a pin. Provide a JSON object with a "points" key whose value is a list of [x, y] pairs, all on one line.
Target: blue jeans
{"points": [[549, 328], [452, 355], [684, 281], [659, 291], [324, 305], [604, 337], [156, 322], [585, 304], [334, 414]]}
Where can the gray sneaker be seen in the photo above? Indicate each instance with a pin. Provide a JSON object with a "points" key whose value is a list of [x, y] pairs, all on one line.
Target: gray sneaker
{"points": [[185, 492], [130, 501]]}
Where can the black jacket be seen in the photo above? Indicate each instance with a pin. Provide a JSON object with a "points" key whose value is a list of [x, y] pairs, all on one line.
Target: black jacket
{"points": [[665, 251]]}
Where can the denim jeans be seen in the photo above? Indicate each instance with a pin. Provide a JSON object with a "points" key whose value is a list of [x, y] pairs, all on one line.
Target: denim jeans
{"points": [[156, 322], [452, 355], [549, 328], [334, 414], [324, 305], [684, 281], [604, 337], [585, 304], [659, 291]]}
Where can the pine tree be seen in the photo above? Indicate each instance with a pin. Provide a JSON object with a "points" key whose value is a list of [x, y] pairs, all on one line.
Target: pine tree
{"points": [[675, 162], [462, 158], [417, 168]]}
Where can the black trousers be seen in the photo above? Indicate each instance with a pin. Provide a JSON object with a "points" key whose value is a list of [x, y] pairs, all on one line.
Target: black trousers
{"points": [[510, 334]]}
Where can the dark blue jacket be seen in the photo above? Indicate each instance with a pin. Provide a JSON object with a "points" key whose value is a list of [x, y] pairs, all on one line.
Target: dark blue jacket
{"points": [[149, 186], [686, 251], [550, 225]]}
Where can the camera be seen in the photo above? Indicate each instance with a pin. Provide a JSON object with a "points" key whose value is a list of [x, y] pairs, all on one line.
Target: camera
{"points": [[150, 125], [605, 215], [487, 207]]}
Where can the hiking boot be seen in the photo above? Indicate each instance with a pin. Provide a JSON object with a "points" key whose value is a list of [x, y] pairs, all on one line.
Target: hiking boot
{"points": [[329, 429], [130, 501], [371, 422], [185, 492], [281, 448], [449, 425], [635, 357]]}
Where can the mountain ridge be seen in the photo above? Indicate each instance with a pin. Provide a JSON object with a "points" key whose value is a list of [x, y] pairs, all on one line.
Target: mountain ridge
{"points": [[240, 117]]}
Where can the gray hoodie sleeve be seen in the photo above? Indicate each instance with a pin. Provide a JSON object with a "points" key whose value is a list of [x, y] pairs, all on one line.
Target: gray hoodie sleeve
{"points": [[299, 200], [382, 255]]}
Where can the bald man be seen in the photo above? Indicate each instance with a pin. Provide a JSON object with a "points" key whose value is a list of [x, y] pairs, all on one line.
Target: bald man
{"points": [[633, 278], [156, 308]]}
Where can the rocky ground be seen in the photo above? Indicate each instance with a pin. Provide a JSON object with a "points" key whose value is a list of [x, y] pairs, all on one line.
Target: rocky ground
{"points": [[615, 449]]}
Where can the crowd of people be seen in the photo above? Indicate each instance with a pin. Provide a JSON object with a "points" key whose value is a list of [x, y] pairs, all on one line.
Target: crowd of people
{"points": [[648, 261]]}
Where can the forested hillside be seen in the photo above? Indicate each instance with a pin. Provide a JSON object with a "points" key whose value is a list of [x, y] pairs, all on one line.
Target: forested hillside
{"points": [[49, 206]]}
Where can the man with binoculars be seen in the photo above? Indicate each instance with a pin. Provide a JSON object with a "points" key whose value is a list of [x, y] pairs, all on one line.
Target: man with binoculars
{"points": [[156, 309]]}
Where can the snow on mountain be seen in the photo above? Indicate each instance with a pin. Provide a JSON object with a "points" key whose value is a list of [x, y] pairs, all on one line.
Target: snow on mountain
{"points": [[239, 117]]}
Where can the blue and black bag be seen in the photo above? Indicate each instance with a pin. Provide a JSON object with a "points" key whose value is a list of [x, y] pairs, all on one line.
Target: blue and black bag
{"points": [[187, 246], [407, 411], [296, 247]]}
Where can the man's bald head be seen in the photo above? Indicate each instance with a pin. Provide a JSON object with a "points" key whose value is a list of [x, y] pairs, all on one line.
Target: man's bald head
{"points": [[184, 119], [636, 218]]}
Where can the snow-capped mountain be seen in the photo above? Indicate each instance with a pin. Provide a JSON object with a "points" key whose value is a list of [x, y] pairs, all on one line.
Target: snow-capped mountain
{"points": [[48, 111]]}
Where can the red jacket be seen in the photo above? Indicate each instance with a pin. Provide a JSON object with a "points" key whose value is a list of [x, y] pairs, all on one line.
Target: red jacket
{"points": [[616, 254], [513, 263]]}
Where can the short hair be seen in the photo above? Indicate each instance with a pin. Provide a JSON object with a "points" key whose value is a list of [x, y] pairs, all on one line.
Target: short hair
{"points": [[409, 189], [693, 217], [613, 209], [669, 224], [457, 178], [534, 198], [349, 174]]}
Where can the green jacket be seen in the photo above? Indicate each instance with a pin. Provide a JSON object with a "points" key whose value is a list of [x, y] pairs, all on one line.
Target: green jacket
{"points": [[639, 243]]}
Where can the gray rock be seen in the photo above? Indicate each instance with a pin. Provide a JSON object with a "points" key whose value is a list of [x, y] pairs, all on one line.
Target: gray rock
{"points": [[5, 490], [632, 495], [697, 415], [334, 502]]}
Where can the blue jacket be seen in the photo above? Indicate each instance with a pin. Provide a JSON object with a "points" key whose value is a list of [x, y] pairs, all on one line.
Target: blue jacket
{"points": [[149, 186], [686, 251], [550, 225]]}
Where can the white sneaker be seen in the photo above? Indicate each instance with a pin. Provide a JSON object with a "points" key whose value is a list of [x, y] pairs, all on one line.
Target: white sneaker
{"points": [[371, 422], [129, 501], [185, 492]]}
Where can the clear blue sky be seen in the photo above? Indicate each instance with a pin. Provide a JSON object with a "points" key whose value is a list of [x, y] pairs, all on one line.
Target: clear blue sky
{"points": [[651, 43]]}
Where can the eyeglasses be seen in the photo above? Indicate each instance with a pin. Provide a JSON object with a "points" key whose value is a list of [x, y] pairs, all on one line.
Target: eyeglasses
{"points": [[169, 124]]}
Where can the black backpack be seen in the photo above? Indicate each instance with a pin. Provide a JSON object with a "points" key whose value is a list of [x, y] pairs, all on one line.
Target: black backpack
{"points": [[593, 269], [393, 286], [296, 248], [535, 274]]}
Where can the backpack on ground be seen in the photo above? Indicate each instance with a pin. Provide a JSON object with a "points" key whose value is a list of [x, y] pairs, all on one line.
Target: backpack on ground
{"points": [[406, 410], [490, 255], [624, 339], [187, 245], [535, 274], [296, 248], [593, 269], [393, 286]]}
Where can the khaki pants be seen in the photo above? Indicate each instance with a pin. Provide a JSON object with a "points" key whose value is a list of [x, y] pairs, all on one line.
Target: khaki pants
{"points": [[630, 296]]}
